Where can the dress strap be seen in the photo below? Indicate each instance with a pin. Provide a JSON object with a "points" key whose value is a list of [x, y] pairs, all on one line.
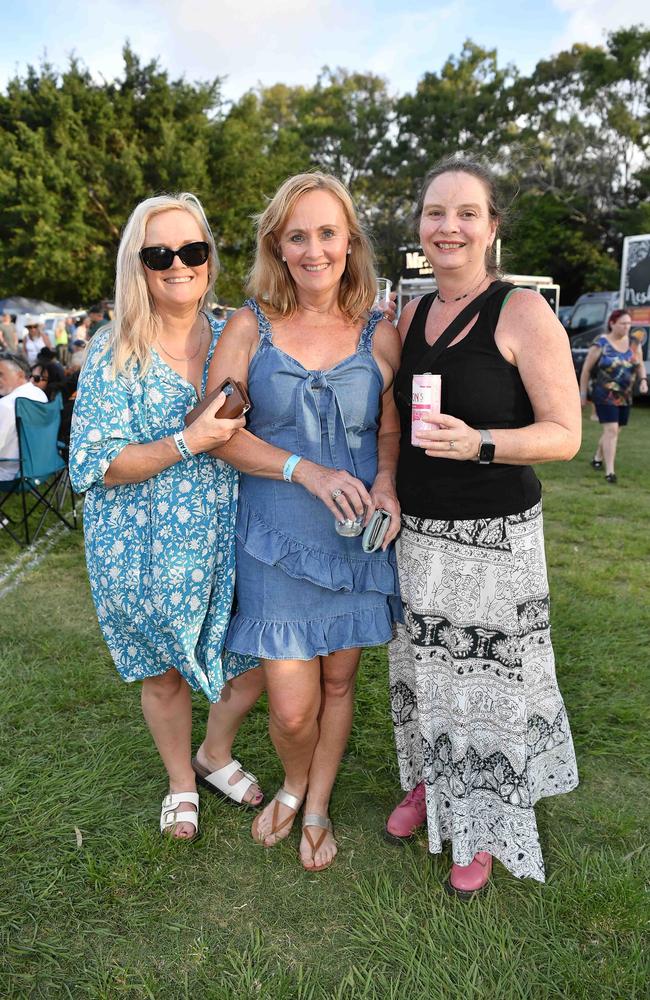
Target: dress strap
{"points": [[368, 332], [263, 323]]}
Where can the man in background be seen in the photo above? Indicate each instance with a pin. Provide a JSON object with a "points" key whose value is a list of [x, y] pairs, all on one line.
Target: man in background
{"points": [[14, 382], [96, 317], [8, 334]]}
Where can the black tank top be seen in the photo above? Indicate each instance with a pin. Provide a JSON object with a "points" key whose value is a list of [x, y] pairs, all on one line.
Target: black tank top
{"points": [[480, 387]]}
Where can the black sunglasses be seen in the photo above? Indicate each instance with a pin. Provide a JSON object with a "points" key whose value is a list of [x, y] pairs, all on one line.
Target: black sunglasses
{"points": [[162, 258], [40, 378]]}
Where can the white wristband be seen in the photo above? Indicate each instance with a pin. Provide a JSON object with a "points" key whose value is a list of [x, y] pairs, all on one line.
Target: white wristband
{"points": [[181, 444]]}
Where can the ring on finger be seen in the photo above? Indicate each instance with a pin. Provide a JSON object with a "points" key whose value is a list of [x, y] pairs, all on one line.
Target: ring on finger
{"points": [[336, 494], [452, 445]]}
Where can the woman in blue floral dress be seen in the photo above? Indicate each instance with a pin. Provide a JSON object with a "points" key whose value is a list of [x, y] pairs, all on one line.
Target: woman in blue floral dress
{"points": [[613, 361], [159, 513]]}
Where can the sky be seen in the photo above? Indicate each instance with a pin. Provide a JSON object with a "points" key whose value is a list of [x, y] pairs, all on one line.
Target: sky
{"points": [[253, 42]]}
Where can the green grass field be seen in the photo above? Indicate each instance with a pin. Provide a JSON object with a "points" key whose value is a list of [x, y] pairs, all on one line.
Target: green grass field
{"points": [[95, 904]]}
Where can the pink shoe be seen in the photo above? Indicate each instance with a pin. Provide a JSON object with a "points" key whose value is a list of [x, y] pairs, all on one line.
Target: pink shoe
{"points": [[466, 880], [407, 816]]}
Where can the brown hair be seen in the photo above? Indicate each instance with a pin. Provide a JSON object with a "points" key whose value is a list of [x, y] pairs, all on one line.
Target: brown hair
{"points": [[615, 316], [269, 280], [496, 208]]}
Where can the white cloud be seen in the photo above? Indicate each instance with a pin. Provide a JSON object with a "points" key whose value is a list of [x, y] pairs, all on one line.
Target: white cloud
{"points": [[590, 20]]}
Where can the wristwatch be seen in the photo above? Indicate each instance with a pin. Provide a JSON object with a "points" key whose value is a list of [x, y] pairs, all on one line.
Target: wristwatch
{"points": [[486, 448]]}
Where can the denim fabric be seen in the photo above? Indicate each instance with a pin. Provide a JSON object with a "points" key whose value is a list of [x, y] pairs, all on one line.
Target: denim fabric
{"points": [[302, 589]]}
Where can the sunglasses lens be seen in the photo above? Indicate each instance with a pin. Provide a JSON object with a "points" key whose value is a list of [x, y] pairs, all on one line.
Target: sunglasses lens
{"points": [[157, 258], [193, 254]]}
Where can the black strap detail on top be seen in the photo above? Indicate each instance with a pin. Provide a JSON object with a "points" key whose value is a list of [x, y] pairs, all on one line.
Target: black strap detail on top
{"points": [[455, 327]]}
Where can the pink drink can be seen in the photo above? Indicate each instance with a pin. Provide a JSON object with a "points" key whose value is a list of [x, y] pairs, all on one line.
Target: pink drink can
{"points": [[425, 401]]}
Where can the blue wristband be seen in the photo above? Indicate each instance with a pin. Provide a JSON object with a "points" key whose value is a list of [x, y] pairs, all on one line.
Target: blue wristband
{"points": [[289, 466]]}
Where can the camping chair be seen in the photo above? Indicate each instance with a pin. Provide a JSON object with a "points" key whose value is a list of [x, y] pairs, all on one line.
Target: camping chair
{"points": [[42, 473]]}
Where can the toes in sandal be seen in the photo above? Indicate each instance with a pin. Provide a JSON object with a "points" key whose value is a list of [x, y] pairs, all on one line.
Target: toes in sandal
{"points": [[219, 782], [281, 797], [170, 815], [325, 825]]}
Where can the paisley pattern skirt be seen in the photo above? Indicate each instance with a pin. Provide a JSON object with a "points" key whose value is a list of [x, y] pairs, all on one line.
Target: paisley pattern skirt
{"points": [[477, 712]]}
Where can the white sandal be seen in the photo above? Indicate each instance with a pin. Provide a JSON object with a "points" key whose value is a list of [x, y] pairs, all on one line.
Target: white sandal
{"points": [[169, 815], [218, 782]]}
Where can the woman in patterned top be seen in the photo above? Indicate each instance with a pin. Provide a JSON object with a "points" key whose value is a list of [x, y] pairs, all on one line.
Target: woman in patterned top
{"points": [[616, 360], [481, 730], [159, 514]]}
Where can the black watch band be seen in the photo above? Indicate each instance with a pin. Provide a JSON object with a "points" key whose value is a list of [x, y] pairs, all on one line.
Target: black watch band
{"points": [[486, 448]]}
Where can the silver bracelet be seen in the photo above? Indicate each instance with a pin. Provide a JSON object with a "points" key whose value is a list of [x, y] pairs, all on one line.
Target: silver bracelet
{"points": [[181, 444]]}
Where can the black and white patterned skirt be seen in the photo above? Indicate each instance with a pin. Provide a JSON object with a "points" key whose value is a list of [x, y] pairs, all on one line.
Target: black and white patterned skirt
{"points": [[477, 712]]}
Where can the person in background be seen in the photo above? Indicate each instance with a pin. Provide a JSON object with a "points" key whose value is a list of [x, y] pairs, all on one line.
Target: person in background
{"points": [[480, 726], [81, 330], [159, 513], [35, 340], [61, 342], [70, 326], [96, 320], [47, 357], [613, 361], [77, 355], [15, 382], [8, 333], [40, 377]]}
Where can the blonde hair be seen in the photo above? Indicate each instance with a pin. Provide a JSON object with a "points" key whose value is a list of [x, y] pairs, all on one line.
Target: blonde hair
{"points": [[269, 280], [136, 323]]}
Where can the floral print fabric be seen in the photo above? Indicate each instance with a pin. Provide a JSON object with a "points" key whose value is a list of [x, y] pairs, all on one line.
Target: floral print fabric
{"points": [[160, 553], [476, 708], [614, 375]]}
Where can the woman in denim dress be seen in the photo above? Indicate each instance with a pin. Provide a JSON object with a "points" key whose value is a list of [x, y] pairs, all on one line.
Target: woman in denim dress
{"points": [[321, 446]]}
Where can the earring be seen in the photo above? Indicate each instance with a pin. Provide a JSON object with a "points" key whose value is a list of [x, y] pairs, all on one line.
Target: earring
{"points": [[349, 250], [284, 260]]}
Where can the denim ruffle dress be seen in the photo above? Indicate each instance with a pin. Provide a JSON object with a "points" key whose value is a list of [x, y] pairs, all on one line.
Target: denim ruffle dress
{"points": [[303, 590], [160, 553]]}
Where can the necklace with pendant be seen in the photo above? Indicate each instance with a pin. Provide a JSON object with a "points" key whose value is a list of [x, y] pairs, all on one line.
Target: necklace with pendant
{"points": [[460, 297], [173, 356]]}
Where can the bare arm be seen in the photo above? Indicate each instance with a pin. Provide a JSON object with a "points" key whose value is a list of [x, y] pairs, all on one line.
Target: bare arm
{"points": [[529, 336], [640, 370], [138, 462], [590, 362], [387, 351]]}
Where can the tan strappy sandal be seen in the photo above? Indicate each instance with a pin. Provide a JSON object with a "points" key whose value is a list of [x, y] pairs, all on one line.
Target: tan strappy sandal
{"points": [[324, 824], [281, 797]]}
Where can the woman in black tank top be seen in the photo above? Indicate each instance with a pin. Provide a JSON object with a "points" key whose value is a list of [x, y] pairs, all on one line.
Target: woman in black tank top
{"points": [[480, 726]]}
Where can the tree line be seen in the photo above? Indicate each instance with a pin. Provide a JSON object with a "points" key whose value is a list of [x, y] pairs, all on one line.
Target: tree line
{"points": [[570, 141]]}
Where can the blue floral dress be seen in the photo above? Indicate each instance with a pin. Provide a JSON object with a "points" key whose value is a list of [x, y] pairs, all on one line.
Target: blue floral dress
{"points": [[614, 376], [161, 553]]}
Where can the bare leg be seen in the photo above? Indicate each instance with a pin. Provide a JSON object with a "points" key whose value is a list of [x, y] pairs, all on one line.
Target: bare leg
{"points": [[293, 688], [608, 442], [224, 720], [167, 708], [335, 722]]}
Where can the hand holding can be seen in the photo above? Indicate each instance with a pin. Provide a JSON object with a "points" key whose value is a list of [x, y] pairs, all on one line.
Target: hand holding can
{"points": [[425, 401]]}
